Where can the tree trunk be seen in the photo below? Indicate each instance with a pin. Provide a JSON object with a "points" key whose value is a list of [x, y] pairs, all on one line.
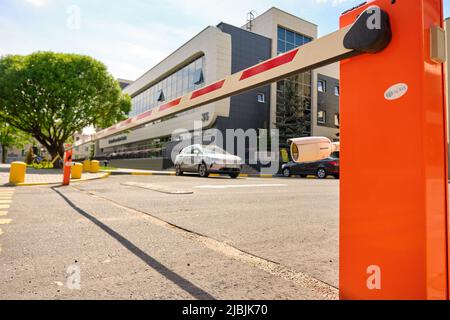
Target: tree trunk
{"points": [[54, 152], [54, 148], [4, 154]]}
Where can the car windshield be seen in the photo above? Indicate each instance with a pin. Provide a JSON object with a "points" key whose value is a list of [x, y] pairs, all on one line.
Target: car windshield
{"points": [[214, 150]]}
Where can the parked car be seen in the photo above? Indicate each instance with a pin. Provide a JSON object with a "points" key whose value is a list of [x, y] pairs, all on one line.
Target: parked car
{"points": [[321, 169], [205, 160]]}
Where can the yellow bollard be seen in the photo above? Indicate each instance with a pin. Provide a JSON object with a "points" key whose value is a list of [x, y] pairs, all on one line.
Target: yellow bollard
{"points": [[95, 166], [77, 171], [17, 172], [87, 165]]}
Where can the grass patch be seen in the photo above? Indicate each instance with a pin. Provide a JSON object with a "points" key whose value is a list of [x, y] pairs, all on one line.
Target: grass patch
{"points": [[109, 168]]}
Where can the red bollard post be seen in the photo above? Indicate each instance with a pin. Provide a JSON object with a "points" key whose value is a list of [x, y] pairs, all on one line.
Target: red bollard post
{"points": [[67, 166]]}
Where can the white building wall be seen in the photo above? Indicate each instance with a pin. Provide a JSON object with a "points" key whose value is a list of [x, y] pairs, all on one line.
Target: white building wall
{"points": [[216, 47], [211, 42], [267, 25]]}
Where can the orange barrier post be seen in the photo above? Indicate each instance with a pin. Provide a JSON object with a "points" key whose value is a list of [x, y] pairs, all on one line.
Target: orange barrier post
{"points": [[394, 208], [67, 166]]}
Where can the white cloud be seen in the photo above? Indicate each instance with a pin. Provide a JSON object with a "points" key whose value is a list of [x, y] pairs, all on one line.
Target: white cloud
{"points": [[142, 34], [38, 3], [231, 11], [333, 2]]}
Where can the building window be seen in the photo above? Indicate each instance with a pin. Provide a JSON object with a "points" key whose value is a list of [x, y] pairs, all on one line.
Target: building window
{"points": [[261, 98], [160, 96], [302, 83], [321, 86], [289, 40], [337, 91], [322, 117], [186, 79], [336, 120], [198, 77]]}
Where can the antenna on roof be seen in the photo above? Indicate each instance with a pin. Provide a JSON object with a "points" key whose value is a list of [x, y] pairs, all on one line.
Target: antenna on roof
{"points": [[250, 18]]}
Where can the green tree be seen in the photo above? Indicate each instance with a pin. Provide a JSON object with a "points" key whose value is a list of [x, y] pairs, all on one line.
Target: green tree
{"points": [[293, 115], [30, 156], [11, 137], [52, 96]]}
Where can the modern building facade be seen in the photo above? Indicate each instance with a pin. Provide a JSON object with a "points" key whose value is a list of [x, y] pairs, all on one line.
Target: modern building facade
{"points": [[327, 96], [124, 83], [14, 154], [217, 52]]}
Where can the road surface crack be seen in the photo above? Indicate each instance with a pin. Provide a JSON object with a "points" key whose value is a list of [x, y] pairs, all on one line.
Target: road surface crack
{"points": [[301, 279]]}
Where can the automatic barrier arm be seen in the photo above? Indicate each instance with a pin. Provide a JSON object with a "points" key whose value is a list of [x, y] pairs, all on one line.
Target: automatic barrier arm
{"points": [[361, 37]]}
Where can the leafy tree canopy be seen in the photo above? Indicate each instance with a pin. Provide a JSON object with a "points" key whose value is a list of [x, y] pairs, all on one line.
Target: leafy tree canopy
{"points": [[293, 117], [52, 96]]}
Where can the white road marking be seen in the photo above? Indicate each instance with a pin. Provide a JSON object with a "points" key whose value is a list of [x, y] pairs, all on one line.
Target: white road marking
{"points": [[241, 186], [5, 221], [156, 188]]}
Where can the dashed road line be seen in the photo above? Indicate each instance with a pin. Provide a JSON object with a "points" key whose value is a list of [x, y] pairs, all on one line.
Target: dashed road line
{"points": [[239, 186], [157, 188], [6, 196], [301, 279]]}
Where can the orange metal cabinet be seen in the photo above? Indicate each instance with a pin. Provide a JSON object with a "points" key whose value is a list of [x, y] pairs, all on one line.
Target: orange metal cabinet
{"points": [[393, 237]]}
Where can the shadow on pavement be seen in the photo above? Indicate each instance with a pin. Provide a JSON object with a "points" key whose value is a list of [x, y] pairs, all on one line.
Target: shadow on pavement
{"points": [[181, 282]]}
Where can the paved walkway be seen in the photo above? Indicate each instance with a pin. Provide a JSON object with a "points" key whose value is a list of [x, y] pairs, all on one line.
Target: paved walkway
{"points": [[44, 176]]}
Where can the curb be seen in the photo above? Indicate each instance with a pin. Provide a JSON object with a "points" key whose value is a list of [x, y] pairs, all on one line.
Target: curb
{"points": [[37, 184], [213, 175]]}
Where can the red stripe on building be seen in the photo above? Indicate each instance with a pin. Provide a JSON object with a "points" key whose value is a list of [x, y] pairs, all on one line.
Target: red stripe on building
{"points": [[124, 123], [144, 115], [169, 105], [276, 62], [208, 89]]}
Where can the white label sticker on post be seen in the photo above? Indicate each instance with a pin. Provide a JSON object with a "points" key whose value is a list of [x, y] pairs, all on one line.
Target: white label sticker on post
{"points": [[70, 164], [396, 91]]}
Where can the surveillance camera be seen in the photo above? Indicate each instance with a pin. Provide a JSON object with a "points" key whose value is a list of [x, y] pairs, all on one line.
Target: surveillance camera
{"points": [[312, 149]]}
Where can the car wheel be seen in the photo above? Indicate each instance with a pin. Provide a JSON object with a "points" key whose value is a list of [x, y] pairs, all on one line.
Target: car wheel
{"points": [[321, 173], [203, 171], [234, 175], [178, 171], [287, 173]]}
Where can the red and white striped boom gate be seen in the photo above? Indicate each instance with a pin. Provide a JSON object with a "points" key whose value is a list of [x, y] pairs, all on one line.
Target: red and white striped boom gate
{"points": [[394, 206]]}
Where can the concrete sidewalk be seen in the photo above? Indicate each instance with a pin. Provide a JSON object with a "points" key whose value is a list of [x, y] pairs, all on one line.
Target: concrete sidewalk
{"points": [[44, 176]]}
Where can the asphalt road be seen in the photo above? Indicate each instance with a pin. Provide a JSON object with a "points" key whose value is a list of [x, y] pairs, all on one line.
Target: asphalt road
{"points": [[133, 237]]}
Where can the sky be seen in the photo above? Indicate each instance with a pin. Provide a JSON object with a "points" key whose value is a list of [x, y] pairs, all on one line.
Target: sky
{"points": [[132, 36]]}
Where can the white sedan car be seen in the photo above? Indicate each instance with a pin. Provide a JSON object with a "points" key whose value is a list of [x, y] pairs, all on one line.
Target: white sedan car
{"points": [[206, 160]]}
